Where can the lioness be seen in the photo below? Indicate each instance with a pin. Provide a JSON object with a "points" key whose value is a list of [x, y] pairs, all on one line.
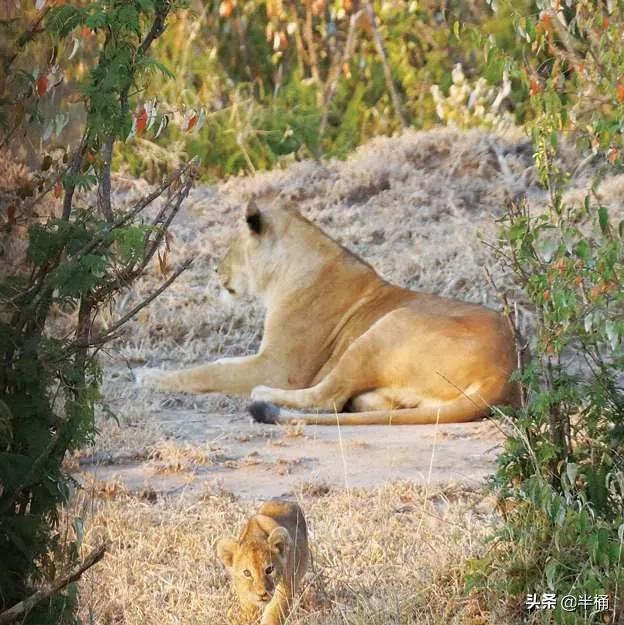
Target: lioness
{"points": [[268, 561], [340, 338]]}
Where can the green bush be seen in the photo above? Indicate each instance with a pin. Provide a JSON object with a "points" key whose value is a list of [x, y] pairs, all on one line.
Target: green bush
{"points": [[561, 476], [79, 253]]}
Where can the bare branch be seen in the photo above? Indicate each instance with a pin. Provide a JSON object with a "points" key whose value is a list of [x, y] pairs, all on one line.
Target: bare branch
{"points": [[308, 33], [26, 37], [520, 346], [347, 53], [104, 192], [73, 170], [381, 51], [191, 166], [131, 273], [23, 607], [110, 332]]}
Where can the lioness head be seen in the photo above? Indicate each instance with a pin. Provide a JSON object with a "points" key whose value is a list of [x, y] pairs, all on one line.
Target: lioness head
{"points": [[244, 269], [276, 247], [256, 566]]}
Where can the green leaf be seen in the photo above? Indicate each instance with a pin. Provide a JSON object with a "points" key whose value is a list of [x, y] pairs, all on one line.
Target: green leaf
{"points": [[96, 20], [603, 219], [583, 250]]}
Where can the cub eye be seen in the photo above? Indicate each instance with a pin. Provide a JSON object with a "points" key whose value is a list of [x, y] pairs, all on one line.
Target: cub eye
{"points": [[268, 570], [247, 573]]}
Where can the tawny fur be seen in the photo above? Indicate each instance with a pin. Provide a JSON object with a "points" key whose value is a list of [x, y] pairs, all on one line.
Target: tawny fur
{"points": [[268, 561], [337, 336]]}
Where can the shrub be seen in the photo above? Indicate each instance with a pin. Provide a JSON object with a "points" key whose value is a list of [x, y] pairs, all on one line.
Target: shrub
{"points": [[561, 476], [64, 249]]}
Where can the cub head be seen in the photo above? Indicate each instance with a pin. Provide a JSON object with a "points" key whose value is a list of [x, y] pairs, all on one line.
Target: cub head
{"points": [[256, 566]]}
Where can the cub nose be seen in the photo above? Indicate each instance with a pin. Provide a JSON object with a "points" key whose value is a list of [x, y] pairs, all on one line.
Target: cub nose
{"points": [[263, 596]]}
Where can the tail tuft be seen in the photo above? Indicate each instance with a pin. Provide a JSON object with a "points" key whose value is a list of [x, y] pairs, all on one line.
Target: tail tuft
{"points": [[264, 412]]}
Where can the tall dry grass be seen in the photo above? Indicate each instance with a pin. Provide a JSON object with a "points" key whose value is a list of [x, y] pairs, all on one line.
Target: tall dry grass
{"points": [[392, 555]]}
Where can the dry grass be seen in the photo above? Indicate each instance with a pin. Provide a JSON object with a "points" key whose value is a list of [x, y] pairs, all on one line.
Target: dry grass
{"points": [[168, 456], [390, 555]]}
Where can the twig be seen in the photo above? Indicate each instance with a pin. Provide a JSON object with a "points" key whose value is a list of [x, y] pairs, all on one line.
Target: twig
{"points": [[23, 607], [191, 165], [150, 250], [104, 192], [51, 184], [519, 346], [333, 81], [107, 335], [308, 33], [26, 37], [73, 172], [378, 41]]}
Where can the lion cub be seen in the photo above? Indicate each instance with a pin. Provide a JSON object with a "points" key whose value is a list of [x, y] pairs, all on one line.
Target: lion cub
{"points": [[268, 561]]}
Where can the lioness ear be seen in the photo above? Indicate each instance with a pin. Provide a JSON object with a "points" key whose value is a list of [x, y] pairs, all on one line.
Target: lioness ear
{"points": [[279, 541], [253, 217], [226, 548]]}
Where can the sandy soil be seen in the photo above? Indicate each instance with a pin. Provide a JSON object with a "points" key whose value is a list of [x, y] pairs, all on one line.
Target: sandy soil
{"points": [[418, 208]]}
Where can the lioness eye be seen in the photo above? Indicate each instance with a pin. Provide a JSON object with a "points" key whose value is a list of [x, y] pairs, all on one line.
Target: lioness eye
{"points": [[268, 570], [247, 573]]}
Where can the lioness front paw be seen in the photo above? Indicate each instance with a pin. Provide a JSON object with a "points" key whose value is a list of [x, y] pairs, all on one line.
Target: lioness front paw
{"points": [[150, 377]]}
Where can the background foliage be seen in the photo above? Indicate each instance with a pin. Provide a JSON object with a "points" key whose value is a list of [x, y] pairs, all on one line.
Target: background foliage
{"points": [[279, 81]]}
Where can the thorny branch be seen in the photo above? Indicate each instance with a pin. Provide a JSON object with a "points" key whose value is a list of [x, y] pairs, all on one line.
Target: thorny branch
{"points": [[111, 332]]}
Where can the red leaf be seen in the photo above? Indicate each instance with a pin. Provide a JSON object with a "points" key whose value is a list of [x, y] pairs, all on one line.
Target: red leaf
{"points": [[42, 85], [226, 8], [535, 87], [545, 23], [191, 122], [619, 92], [141, 121], [58, 190]]}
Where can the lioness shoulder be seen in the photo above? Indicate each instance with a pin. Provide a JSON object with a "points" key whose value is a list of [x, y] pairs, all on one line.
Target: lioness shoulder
{"points": [[268, 560]]}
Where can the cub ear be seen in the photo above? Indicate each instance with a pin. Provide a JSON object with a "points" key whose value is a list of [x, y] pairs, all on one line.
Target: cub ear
{"points": [[226, 549], [253, 217], [279, 541]]}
